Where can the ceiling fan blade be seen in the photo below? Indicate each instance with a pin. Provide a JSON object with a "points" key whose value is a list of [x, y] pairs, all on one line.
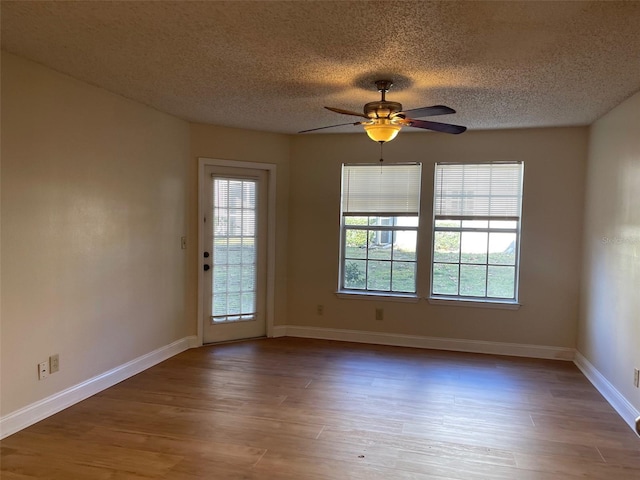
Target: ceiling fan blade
{"points": [[427, 111], [330, 126], [435, 126], [347, 112]]}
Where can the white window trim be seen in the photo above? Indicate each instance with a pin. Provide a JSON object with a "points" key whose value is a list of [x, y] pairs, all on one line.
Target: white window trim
{"points": [[372, 295], [346, 293], [470, 301]]}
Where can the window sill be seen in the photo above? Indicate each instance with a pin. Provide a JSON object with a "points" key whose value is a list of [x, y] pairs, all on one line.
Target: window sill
{"points": [[459, 302], [387, 297]]}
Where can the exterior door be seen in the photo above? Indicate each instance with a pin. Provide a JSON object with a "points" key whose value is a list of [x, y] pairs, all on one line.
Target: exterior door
{"points": [[234, 256]]}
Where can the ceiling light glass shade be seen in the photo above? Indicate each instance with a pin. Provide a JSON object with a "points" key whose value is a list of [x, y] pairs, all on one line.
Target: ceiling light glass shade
{"points": [[382, 130]]}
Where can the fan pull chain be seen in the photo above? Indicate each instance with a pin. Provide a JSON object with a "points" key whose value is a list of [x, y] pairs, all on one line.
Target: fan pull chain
{"points": [[381, 159]]}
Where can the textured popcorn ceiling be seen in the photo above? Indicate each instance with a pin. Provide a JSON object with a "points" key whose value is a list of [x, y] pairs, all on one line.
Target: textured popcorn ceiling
{"points": [[271, 65]]}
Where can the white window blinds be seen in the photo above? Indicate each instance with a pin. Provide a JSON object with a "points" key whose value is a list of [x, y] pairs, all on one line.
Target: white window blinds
{"points": [[485, 190], [378, 189]]}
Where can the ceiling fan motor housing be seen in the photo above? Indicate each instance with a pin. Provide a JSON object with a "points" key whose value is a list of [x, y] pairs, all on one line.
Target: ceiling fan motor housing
{"points": [[382, 109]]}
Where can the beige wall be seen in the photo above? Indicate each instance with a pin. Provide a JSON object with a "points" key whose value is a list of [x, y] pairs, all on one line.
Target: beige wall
{"points": [[609, 331], [551, 235], [223, 143], [94, 202]]}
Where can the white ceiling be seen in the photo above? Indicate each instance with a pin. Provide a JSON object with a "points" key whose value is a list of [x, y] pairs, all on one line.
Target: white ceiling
{"points": [[273, 65]]}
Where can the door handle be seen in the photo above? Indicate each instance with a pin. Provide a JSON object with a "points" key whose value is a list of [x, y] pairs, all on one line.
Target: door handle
{"points": [[206, 267]]}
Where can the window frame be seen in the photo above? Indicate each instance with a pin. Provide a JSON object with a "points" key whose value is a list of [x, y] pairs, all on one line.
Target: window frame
{"points": [[438, 298], [347, 292]]}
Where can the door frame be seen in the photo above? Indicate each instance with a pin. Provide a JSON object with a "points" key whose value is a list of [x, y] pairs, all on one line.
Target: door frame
{"points": [[270, 169]]}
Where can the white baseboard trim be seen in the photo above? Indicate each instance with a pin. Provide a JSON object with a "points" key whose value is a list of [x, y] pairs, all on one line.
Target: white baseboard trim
{"points": [[436, 343], [621, 405], [26, 416], [279, 331]]}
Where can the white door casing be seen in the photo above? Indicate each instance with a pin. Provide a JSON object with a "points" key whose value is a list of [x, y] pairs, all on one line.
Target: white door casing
{"points": [[239, 308]]}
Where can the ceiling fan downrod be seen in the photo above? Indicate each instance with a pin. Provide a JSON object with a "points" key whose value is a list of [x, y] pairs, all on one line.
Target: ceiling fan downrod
{"points": [[383, 87]]}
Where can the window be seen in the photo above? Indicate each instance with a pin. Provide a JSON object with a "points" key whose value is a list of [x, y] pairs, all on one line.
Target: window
{"points": [[379, 228], [476, 233], [234, 249]]}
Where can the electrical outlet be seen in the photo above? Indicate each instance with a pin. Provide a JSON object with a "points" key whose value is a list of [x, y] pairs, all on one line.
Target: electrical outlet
{"points": [[636, 378], [43, 370], [320, 309], [54, 363], [183, 243], [379, 314]]}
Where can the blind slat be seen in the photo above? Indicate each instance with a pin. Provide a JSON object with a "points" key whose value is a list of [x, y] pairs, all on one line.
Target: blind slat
{"points": [[371, 189], [487, 189]]}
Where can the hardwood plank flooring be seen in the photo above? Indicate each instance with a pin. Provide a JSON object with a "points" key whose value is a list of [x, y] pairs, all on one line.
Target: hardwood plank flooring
{"points": [[295, 409]]}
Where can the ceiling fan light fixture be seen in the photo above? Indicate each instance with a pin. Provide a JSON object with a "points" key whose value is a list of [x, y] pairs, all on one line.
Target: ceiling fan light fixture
{"points": [[384, 119], [382, 130]]}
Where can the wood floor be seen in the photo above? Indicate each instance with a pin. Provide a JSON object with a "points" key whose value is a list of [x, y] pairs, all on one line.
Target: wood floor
{"points": [[308, 409]]}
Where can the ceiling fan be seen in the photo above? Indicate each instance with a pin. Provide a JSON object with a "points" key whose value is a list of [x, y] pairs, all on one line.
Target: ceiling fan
{"points": [[384, 119]]}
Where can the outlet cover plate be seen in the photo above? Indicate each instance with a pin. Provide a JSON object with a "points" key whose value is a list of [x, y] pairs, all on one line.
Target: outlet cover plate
{"points": [[43, 370], [54, 363]]}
